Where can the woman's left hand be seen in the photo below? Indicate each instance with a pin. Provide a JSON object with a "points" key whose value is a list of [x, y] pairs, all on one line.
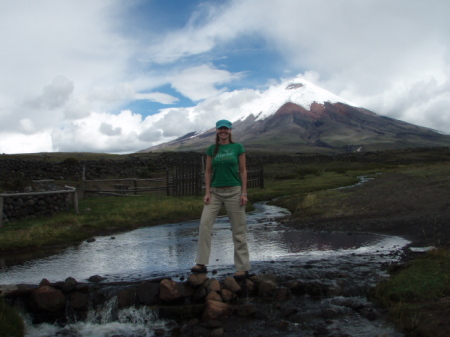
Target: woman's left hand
{"points": [[244, 200]]}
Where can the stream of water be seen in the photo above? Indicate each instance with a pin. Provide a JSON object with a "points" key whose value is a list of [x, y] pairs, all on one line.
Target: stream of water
{"points": [[170, 250]]}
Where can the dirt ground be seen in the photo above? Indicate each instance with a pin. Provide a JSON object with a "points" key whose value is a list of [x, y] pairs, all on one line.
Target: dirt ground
{"points": [[415, 208]]}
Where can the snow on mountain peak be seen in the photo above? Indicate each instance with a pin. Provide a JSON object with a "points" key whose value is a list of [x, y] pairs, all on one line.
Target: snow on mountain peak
{"points": [[297, 91]]}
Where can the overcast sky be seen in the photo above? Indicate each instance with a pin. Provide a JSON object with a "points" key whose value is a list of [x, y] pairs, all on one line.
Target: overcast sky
{"points": [[120, 76]]}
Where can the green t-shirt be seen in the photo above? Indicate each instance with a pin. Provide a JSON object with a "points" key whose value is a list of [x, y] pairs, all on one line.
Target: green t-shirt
{"points": [[225, 165]]}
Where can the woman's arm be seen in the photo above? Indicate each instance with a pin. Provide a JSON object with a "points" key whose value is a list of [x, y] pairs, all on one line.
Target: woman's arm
{"points": [[243, 175], [208, 175]]}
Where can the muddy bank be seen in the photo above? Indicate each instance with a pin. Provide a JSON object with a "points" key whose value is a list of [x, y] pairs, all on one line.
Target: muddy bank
{"points": [[415, 208]]}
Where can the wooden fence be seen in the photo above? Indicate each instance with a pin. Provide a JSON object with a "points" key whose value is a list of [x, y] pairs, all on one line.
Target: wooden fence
{"points": [[126, 186], [181, 180]]}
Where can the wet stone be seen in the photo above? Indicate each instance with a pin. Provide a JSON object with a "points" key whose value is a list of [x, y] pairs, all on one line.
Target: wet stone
{"points": [[246, 310], [78, 301], [215, 310], [69, 284], [49, 299], [266, 289], [168, 291], [96, 278], [231, 284], [227, 295], [147, 292], [213, 285], [213, 296], [197, 279]]}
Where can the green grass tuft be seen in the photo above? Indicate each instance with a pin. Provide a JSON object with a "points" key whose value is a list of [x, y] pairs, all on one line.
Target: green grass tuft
{"points": [[11, 324]]}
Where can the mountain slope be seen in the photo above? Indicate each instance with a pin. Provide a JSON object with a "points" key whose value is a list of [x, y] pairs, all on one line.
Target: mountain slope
{"points": [[301, 117]]}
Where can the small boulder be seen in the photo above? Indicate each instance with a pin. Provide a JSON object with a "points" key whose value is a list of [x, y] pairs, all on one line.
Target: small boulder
{"points": [[266, 289], [96, 278], [69, 284], [49, 299], [282, 294], [227, 295], [45, 282], [214, 285], [246, 310], [215, 310], [126, 297], [231, 284], [168, 291], [78, 301], [197, 279], [213, 296], [147, 293]]}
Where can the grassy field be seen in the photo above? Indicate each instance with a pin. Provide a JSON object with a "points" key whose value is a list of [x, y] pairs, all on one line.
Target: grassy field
{"points": [[417, 295]]}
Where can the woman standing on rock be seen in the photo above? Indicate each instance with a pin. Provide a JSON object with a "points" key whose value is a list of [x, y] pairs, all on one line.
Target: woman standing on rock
{"points": [[226, 184]]}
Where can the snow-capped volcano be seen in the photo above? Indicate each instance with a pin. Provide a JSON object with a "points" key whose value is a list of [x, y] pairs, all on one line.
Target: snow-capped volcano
{"points": [[297, 91], [298, 116]]}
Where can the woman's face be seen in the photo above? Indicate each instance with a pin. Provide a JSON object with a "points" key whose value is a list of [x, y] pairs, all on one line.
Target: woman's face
{"points": [[223, 133]]}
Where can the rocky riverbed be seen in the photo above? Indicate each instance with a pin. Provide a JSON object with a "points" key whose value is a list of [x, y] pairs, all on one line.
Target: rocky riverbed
{"points": [[325, 297]]}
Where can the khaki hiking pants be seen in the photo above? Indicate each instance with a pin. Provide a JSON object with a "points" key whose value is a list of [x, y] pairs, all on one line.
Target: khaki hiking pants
{"points": [[230, 198]]}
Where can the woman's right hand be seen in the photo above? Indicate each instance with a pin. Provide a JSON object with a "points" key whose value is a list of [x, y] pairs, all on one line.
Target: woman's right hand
{"points": [[207, 199]]}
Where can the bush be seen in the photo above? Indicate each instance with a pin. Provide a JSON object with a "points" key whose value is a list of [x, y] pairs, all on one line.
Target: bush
{"points": [[17, 182], [304, 171], [11, 324], [285, 176], [69, 162]]}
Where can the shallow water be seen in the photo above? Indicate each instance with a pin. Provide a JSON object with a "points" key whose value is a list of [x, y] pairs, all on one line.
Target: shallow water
{"points": [[170, 250]]}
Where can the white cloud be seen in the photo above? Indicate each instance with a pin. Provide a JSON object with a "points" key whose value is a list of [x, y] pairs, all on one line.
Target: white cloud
{"points": [[109, 130], [25, 143], [100, 132], [27, 125], [54, 95], [157, 97], [198, 83]]}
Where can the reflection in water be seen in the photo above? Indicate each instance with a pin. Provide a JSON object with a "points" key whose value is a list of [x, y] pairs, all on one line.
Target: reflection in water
{"points": [[170, 249]]}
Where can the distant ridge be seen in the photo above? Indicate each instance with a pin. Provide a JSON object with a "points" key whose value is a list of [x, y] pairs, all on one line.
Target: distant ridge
{"points": [[298, 116]]}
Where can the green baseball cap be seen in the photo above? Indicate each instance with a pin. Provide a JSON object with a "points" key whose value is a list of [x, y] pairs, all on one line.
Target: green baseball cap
{"points": [[223, 123]]}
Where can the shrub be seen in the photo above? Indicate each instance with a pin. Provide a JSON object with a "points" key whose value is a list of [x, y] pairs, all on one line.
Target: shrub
{"points": [[11, 324], [285, 176], [309, 170], [17, 182], [69, 162]]}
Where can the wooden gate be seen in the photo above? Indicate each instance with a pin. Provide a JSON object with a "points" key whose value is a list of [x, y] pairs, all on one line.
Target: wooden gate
{"points": [[186, 180], [255, 175]]}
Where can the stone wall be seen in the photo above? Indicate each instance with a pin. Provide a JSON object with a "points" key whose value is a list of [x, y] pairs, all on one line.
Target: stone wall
{"points": [[72, 169], [32, 205]]}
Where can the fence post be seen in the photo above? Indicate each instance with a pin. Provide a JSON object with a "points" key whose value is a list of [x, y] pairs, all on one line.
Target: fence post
{"points": [[261, 177], [75, 201], [83, 178], [1, 212], [167, 183], [135, 186]]}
